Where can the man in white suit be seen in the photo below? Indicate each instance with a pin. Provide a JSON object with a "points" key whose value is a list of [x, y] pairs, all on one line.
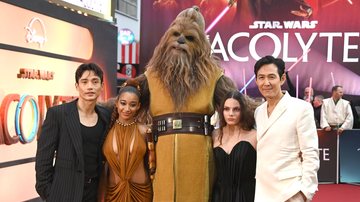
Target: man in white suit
{"points": [[287, 149]]}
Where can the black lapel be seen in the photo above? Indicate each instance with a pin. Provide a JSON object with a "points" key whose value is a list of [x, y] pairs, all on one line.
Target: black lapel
{"points": [[104, 115], [72, 121]]}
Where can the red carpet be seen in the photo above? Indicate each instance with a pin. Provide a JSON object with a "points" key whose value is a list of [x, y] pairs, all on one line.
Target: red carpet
{"points": [[337, 193]]}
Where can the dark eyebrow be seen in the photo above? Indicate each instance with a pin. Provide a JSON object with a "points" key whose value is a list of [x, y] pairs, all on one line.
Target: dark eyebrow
{"points": [[272, 74]]}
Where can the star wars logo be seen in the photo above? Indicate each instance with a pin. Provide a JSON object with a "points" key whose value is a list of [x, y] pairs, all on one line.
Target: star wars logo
{"points": [[35, 74]]}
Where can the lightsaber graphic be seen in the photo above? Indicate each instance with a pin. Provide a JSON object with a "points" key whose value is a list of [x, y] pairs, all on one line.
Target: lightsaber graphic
{"points": [[298, 60], [244, 80], [332, 2], [297, 85], [248, 83], [332, 78], [311, 90], [218, 18]]}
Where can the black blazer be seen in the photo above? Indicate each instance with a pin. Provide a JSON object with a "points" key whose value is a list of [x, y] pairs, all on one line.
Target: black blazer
{"points": [[61, 137]]}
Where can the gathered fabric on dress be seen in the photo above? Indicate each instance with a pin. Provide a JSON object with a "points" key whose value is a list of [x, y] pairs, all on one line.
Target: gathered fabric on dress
{"points": [[235, 174], [124, 163]]}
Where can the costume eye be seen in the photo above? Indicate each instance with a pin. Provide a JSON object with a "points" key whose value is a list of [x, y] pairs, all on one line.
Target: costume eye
{"points": [[176, 34], [190, 38]]}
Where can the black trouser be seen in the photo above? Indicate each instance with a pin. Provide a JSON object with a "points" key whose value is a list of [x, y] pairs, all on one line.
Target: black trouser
{"points": [[90, 191]]}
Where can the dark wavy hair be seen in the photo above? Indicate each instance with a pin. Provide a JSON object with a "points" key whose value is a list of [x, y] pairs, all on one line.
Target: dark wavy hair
{"points": [[247, 120]]}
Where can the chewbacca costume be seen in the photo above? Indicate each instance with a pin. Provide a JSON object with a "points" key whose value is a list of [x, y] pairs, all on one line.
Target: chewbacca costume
{"points": [[181, 85], [185, 167]]}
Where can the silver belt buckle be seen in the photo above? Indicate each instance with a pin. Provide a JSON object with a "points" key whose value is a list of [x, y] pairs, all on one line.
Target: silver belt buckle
{"points": [[177, 124]]}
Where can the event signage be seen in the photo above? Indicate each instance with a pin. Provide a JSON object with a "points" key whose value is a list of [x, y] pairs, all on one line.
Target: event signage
{"points": [[38, 63], [350, 156], [32, 35], [43, 33], [318, 44], [328, 171]]}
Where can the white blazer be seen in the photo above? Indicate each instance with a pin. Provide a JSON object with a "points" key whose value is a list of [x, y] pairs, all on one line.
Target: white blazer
{"points": [[280, 174]]}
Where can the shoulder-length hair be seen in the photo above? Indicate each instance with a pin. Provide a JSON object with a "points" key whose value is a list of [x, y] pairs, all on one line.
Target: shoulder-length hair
{"points": [[247, 120]]}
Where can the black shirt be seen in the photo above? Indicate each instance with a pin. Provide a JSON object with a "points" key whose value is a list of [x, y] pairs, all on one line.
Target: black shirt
{"points": [[317, 114], [91, 137]]}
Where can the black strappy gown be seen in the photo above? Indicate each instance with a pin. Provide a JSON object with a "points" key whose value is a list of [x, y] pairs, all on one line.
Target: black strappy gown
{"points": [[235, 174]]}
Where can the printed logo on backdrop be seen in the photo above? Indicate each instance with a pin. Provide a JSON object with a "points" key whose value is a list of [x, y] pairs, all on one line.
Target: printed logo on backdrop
{"points": [[34, 35], [328, 156]]}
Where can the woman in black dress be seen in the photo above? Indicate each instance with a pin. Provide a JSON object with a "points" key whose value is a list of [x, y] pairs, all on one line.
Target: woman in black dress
{"points": [[234, 146]]}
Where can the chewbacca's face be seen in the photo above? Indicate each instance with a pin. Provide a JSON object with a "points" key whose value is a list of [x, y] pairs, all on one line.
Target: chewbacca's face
{"points": [[182, 59], [183, 39]]}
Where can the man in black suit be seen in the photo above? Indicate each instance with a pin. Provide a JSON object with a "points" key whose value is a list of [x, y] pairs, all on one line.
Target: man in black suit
{"points": [[69, 157], [318, 101]]}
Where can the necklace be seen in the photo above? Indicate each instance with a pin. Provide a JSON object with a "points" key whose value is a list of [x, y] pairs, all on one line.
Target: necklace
{"points": [[125, 124]]}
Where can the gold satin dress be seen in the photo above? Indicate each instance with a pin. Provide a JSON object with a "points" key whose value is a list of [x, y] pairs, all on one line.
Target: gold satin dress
{"points": [[125, 165], [184, 162]]}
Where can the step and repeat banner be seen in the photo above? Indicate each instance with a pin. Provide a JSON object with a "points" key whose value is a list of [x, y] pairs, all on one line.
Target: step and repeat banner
{"points": [[319, 39], [339, 157], [349, 156], [328, 155]]}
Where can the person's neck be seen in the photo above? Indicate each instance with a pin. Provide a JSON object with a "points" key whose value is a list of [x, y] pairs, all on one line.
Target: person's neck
{"points": [[86, 107], [233, 130], [272, 102], [336, 99]]}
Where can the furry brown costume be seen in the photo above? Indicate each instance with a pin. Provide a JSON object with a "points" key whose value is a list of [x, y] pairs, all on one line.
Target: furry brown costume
{"points": [[182, 76], [187, 64]]}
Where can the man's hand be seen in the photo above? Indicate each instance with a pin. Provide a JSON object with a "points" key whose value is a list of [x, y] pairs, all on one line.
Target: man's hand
{"points": [[340, 131], [327, 128], [303, 195], [297, 197]]}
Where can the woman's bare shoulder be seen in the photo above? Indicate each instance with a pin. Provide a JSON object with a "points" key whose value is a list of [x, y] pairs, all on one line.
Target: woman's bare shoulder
{"points": [[252, 137]]}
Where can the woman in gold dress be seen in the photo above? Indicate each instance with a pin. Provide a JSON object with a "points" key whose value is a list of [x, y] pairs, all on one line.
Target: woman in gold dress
{"points": [[126, 178]]}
